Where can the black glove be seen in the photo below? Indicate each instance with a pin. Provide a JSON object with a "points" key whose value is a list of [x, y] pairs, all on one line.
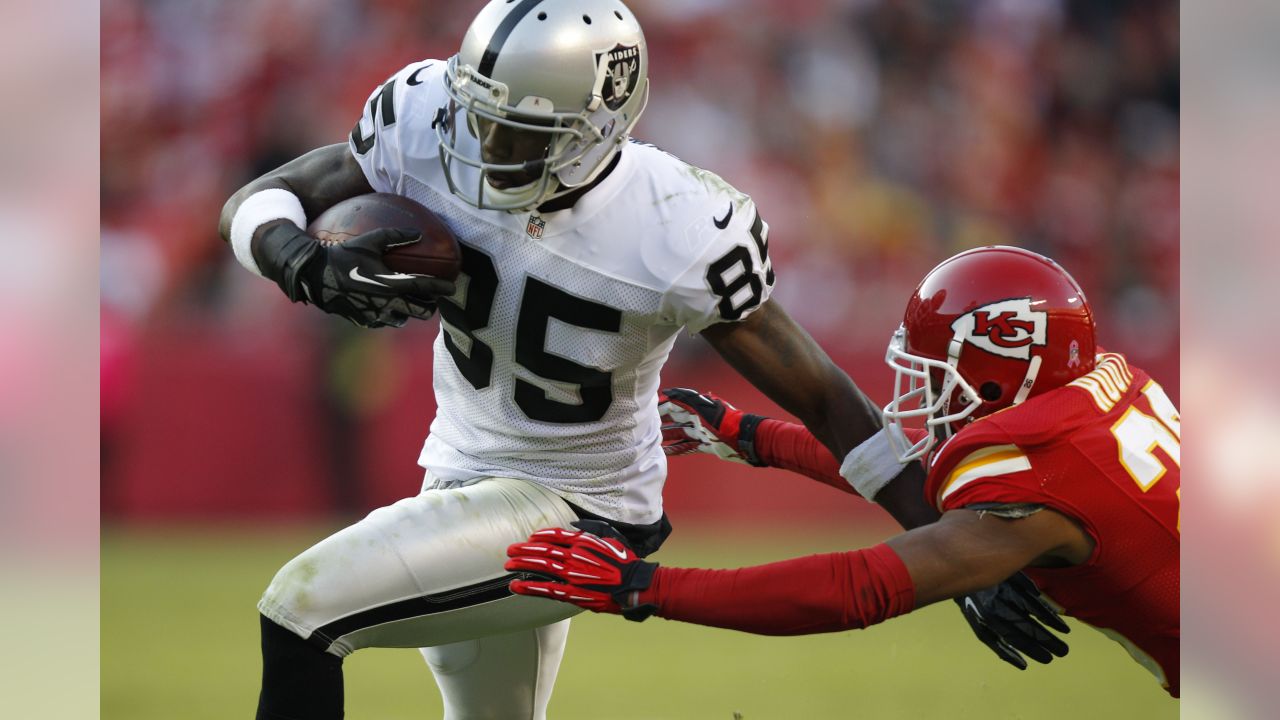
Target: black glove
{"points": [[1004, 619], [349, 279]]}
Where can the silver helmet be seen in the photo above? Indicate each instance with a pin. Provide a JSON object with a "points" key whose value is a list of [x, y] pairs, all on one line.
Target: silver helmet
{"points": [[574, 70]]}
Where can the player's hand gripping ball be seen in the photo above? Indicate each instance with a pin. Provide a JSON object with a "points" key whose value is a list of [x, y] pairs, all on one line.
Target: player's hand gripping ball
{"points": [[383, 259], [435, 252]]}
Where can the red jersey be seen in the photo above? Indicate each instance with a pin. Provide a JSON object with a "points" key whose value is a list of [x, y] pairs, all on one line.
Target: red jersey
{"points": [[1103, 450]]}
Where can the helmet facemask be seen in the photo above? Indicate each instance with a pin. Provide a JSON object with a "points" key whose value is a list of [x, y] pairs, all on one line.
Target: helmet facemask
{"points": [[578, 148], [934, 390]]}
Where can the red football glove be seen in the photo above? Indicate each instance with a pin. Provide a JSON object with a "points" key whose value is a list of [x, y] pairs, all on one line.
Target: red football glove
{"points": [[701, 422], [600, 574]]}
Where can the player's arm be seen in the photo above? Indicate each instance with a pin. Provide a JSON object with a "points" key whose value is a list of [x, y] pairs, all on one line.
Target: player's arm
{"points": [[319, 179], [772, 351], [698, 421], [965, 551], [264, 223]]}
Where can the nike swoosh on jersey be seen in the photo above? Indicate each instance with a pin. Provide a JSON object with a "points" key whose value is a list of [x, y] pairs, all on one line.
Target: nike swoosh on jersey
{"points": [[722, 224], [355, 275]]}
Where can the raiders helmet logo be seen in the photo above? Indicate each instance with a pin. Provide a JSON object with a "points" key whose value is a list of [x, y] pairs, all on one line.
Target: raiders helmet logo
{"points": [[1009, 328], [621, 67]]}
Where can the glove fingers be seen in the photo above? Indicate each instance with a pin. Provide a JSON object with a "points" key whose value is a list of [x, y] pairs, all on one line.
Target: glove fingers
{"points": [[676, 412], [1023, 584], [1002, 649], [969, 608], [393, 318], [426, 286], [679, 394], [555, 536], [389, 282], [538, 546], [540, 566], [1024, 638], [588, 599], [680, 448], [1043, 612], [1053, 643], [676, 441], [1035, 602], [380, 240], [1044, 639]]}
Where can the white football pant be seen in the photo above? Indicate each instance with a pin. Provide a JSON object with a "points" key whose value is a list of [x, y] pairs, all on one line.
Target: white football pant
{"points": [[426, 572]]}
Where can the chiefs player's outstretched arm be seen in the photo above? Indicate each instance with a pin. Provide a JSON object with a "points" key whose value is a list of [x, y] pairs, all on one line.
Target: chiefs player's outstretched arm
{"points": [[966, 551], [321, 179], [963, 552], [769, 349]]}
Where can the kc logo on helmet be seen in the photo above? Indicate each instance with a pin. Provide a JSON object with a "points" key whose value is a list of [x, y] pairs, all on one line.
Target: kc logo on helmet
{"points": [[1009, 328]]}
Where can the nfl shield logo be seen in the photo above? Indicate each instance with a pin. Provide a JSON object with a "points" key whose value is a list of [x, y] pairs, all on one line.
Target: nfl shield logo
{"points": [[535, 226]]}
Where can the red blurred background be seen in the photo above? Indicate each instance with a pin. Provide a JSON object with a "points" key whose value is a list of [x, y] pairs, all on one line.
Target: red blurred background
{"points": [[876, 137]]}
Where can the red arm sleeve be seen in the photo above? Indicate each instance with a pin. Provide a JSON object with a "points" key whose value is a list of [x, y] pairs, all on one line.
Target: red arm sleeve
{"points": [[818, 593], [792, 447]]}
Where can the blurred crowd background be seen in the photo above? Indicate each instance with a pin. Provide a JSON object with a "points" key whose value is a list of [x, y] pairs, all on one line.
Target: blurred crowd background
{"points": [[876, 137]]}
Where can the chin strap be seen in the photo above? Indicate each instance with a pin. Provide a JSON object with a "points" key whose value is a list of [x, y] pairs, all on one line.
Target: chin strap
{"points": [[953, 359], [1033, 369]]}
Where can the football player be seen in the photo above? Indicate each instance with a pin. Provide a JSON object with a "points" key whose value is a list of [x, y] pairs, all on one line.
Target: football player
{"points": [[583, 255], [1041, 455]]}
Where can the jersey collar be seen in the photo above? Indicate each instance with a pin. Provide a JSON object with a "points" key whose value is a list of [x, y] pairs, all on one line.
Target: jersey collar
{"points": [[567, 201]]}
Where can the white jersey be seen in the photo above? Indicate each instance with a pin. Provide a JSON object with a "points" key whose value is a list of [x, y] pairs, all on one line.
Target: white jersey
{"points": [[547, 363]]}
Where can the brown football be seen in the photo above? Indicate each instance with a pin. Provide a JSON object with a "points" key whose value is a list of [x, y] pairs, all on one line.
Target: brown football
{"points": [[436, 254]]}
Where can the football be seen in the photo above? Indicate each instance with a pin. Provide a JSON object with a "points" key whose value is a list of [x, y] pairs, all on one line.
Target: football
{"points": [[436, 254]]}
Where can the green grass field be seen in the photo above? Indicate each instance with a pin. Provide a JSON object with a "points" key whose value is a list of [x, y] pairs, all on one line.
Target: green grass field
{"points": [[180, 640]]}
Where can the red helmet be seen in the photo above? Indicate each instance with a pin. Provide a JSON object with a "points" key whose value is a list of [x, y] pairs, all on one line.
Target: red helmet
{"points": [[985, 330]]}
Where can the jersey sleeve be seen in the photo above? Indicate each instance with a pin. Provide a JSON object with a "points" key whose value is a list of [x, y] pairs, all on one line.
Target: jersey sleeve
{"points": [[997, 474], [731, 275], [393, 122]]}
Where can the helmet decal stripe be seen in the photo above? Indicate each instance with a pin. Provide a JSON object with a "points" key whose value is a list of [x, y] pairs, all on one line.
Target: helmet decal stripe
{"points": [[500, 35]]}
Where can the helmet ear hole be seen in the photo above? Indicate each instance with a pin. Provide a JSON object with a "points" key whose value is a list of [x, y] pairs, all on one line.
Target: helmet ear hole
{"points": [[990, 391]]}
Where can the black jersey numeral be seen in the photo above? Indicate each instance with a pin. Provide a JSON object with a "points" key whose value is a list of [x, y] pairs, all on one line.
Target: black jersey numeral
{"points": [[482, 285], [760, 234], [739, 257], [539, 303], [385, 97], [735, 271]]}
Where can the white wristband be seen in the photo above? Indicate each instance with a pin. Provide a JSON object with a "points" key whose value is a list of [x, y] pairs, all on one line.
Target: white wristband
{"points": [[257, 209], [871, 465]]}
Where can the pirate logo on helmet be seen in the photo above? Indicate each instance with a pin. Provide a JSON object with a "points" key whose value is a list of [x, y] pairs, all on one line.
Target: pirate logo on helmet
{"points": [[621, 66]]}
